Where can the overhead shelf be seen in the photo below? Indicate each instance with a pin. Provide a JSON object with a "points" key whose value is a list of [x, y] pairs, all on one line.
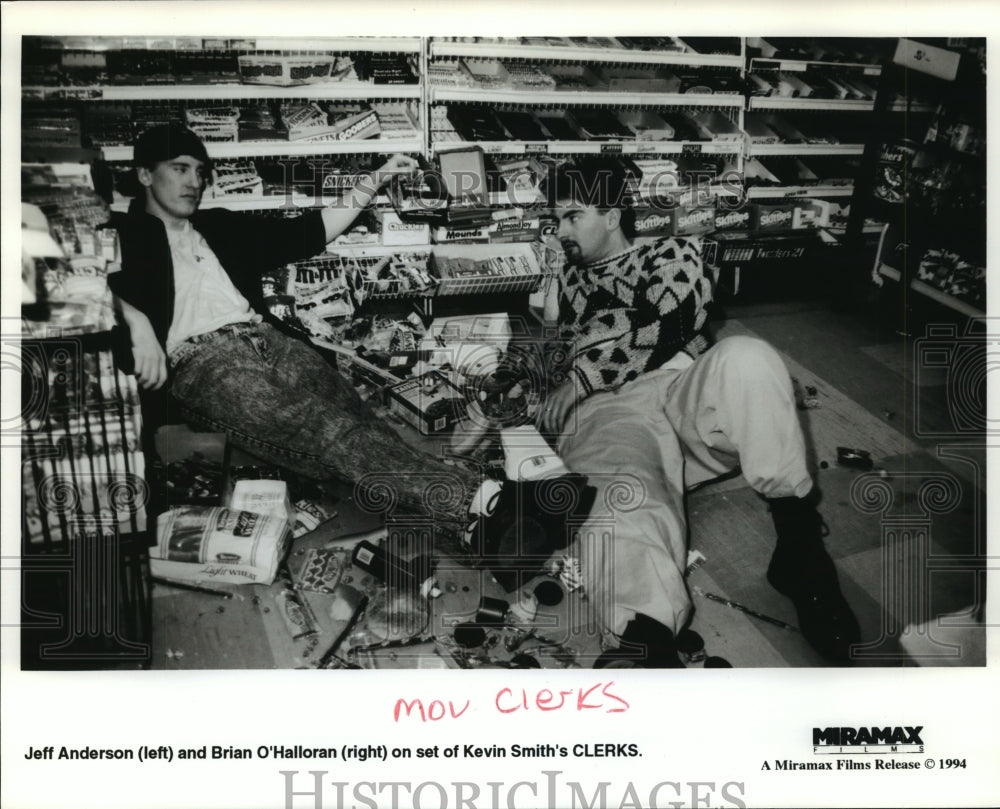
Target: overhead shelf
{"points": [[473, 95], [782, 191], [814, 149], [348, 91], [270, 202], [503, 50], [928, 291], [371, 44], [914, 107], [658, 147], [801, 65], [831, 104], [273, 148]]}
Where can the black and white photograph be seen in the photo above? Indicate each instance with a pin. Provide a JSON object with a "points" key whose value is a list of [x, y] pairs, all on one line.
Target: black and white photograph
{"points": [[396, 389]]}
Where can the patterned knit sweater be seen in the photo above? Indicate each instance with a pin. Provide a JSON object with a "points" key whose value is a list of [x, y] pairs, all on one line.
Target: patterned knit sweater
{"points": [[633, 311]]}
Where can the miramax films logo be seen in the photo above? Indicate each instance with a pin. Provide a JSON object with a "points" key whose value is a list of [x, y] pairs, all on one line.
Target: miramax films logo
{"points": [[868, 740]]}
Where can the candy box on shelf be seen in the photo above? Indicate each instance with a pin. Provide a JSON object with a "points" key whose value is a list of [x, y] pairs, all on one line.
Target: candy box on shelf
{"points": [[285, 70], [654, 221], [693, 220], [733, 219], [773, 216], [640, 79], [396, 232]]}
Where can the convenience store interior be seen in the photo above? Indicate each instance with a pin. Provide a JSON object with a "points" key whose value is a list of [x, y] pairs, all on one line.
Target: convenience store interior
{"points": [[857, 250]]}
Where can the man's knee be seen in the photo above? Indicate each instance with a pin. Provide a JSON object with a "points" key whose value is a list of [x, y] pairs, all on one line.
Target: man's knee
{"points": [[751, 357]]}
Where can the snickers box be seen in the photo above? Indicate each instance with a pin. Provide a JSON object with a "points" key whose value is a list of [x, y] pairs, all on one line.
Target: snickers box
{"points": [[431, 403], [773, 216], [736, 219], [691, 220]]}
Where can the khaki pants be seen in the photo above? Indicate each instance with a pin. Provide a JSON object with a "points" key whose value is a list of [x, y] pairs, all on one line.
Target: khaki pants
{"points": [[644, 445]]}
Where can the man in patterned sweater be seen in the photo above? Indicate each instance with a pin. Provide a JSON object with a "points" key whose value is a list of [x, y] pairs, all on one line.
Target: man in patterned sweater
{"points": [[648, 408]]}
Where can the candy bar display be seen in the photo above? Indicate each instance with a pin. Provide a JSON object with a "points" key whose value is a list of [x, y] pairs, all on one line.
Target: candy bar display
{"points": [[260, 121], [82, 460], [328, 121], [47, 128], [66, 254], [213, 124], [108, 124], [646, 125], [291, 71], [395, 275], [950, 273], [235, 178], [396, 121], [496, 269], [386, 68]]}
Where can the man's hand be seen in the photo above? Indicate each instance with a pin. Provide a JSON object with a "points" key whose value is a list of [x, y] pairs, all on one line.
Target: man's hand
{"points": [[560, 403], [394, 166], [150, 360]]}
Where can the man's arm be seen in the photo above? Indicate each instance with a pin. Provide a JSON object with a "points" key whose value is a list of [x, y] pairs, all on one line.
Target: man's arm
{"points": [[338, 218], [150, 359]]}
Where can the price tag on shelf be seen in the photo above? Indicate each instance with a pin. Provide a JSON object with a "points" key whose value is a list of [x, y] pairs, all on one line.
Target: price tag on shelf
{"points": [[492, 148], [74, 93], [691, 148], [797, 67], [536, 148], [611, 148]]}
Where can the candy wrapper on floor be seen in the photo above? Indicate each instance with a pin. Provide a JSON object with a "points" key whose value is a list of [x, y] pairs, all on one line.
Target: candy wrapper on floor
{"points": [[222, 545]]}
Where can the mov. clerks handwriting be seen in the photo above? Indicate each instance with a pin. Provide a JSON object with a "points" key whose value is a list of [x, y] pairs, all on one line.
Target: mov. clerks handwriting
{"points": [[600, 697]]}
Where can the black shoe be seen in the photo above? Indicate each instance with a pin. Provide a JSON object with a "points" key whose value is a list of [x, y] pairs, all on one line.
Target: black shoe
{"points": [[530, 521], [802, 570], [645, 644]]}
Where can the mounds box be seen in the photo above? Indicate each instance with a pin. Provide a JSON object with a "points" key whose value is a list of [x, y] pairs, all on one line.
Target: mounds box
{"points": [[431, 403]]}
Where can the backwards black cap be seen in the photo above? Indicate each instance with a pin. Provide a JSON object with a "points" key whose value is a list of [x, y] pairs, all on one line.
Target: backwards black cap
{"points": [[165, 142]]}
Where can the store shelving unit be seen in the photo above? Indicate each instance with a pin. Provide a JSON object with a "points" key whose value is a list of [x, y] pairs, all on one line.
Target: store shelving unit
{"points": [[558, 101], [935, 236], [175, 92], [430, 101]]}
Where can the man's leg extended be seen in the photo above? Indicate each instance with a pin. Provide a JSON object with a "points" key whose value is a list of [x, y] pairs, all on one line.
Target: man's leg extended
{"points": [[279, 399], [735, 403], [633, 546]]}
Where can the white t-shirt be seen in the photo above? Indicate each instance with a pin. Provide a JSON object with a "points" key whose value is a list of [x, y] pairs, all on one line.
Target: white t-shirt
{"points": [[205, 298]]}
